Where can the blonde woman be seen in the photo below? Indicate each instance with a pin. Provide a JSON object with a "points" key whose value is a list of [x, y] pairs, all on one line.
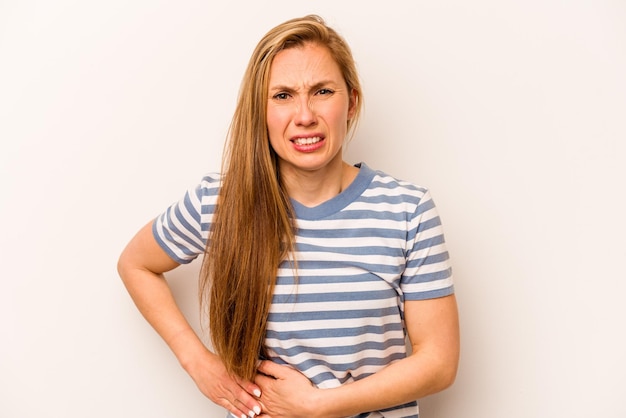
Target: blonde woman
{"points": [[315, 271]]}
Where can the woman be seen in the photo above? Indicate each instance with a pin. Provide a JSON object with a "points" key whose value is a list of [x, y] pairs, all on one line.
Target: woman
{"points": [[317, 267]]}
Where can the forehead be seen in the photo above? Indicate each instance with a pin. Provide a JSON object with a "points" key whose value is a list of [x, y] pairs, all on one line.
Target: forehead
{"points": [[306, 64]]}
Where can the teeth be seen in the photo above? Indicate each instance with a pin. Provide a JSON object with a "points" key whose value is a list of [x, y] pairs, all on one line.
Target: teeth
{"points": [[307, 141]]}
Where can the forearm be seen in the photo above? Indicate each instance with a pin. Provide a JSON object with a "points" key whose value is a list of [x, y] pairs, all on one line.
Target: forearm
{"points": [[141, 266], [287, 393], [433, 329], [404, 381], [155, 302]]}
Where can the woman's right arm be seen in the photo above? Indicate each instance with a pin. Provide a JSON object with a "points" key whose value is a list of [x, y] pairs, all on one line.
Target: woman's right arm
{"points": [[141, 267]]}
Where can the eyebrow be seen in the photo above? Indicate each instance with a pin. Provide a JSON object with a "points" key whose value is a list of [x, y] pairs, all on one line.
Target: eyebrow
{"points": [[315, 86]]}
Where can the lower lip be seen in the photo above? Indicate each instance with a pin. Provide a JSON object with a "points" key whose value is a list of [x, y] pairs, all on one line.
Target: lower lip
{"points": [[308, 147]]}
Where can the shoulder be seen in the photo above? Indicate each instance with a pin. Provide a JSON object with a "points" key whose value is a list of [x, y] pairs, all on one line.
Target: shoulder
{"points": [[384, 184], [211, 181], [208, 186]]}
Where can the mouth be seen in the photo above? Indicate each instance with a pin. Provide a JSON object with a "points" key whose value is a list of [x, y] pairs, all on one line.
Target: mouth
{"points": [[307, 141]]}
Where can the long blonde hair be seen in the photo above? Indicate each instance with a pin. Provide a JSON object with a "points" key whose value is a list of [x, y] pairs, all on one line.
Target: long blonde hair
{"points": [[253, 227]]}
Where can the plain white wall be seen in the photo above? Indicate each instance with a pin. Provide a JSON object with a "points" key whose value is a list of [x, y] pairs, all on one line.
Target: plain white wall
{"points": [[513, 113]]}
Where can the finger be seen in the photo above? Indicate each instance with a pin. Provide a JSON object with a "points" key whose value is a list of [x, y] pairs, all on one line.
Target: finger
{"points": [[250, 387], [264, 414], [234, 411], [239, 403], [263, 381], [247, 397], [270, 368], [240, 410], [251, 412]]}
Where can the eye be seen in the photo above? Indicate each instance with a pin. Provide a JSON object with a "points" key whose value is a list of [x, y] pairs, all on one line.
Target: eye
{"points": [[281, 96], [325, 92]]}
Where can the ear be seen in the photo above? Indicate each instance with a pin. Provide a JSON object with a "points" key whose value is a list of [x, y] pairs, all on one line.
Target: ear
{"points": [[354, 97]]}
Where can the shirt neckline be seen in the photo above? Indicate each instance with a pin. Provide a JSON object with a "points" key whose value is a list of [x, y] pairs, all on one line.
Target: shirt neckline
{"points": [[337, 203]]}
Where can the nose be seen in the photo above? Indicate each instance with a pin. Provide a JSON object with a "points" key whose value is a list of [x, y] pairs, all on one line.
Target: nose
{"points": [[304, 113]]}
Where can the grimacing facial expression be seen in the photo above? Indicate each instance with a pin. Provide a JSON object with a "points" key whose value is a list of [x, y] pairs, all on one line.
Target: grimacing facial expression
{"points": [[309, 105]]}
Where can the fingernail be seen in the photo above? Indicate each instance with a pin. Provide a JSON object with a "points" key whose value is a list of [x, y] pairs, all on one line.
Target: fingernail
{"points": [[257, 393], [257, 410], [243, 416], [251, 414]]}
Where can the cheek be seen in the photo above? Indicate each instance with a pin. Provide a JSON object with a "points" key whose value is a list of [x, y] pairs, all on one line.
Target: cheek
{"points": [[277, 119], [339, 116], [274, 128], [271, 120]]}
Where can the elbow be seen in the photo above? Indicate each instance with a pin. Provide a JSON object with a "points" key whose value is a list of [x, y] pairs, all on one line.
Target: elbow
{"points": [[447, 377], [446, 373], [124, 266], [442, 374], [121, 266]]}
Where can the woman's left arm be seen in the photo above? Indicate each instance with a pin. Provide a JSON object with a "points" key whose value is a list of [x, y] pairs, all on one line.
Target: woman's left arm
{"points": [[433, 330]]}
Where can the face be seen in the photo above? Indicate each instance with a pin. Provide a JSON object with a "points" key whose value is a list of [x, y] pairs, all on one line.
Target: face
{"points": [[309, 106]]}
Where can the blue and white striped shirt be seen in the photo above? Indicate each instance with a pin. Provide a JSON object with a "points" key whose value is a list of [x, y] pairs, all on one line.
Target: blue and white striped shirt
{"points": [[360, 255]]}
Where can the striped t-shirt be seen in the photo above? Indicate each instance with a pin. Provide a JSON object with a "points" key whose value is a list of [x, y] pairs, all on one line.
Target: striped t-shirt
{"points": [[360, 255]]}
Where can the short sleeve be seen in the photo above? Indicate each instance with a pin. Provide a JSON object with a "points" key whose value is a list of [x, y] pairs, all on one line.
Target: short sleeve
{"points": [[428, 272], [182, 229]]}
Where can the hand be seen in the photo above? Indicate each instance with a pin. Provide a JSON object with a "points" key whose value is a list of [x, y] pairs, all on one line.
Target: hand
{"points": [[238, 396], [287, 393]]}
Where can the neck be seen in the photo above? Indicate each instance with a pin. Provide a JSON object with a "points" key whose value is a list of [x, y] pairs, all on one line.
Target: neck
{"points": [[312, 188]]}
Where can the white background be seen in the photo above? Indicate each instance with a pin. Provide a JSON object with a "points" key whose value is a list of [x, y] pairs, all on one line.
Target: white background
{"points": [[513, 113]]}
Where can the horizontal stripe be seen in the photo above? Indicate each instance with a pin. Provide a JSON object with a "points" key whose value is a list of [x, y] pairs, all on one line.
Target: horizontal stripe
{"points": [[308, 333], [341, 350], [359, 257], [330, 287], [335, 296], [391, 338]]}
